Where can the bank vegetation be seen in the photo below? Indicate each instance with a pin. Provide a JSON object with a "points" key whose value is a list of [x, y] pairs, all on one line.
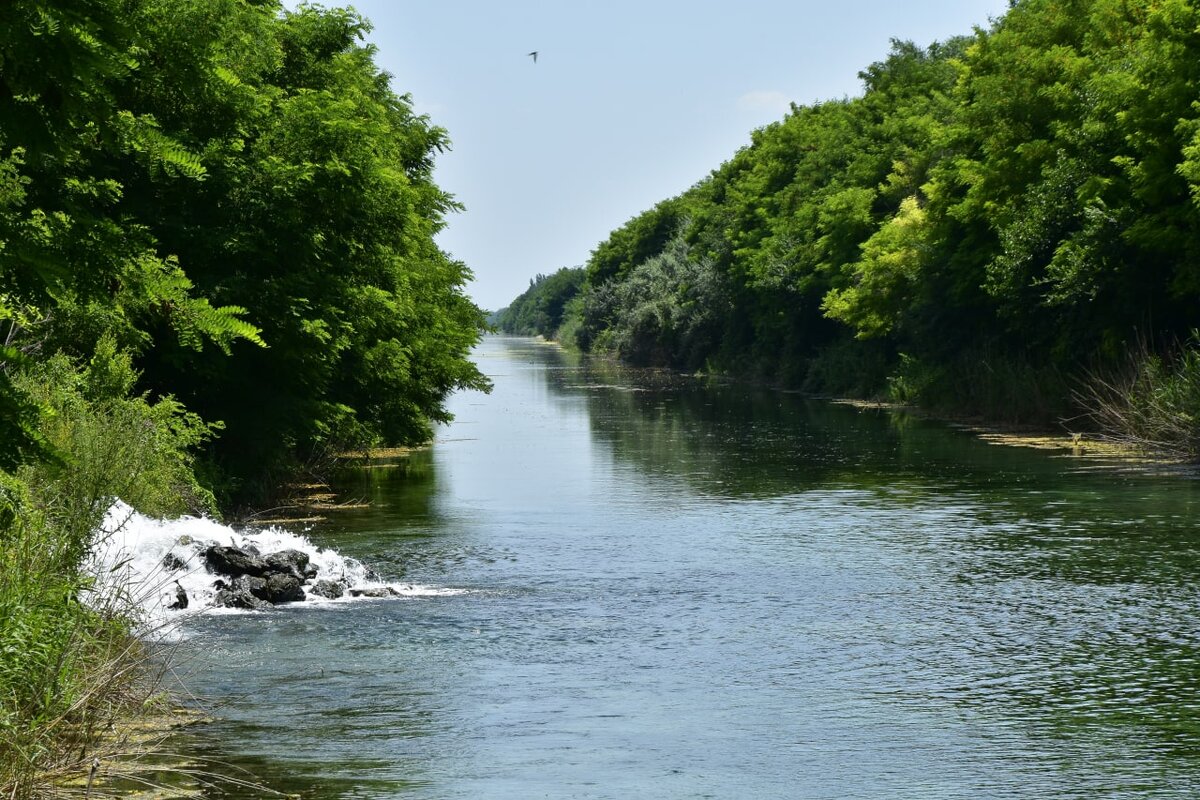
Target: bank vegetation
{"points": [[1005, 224], [217, 271]]}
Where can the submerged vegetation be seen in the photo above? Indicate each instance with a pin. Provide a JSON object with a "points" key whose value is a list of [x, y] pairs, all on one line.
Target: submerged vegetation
{"points": [[990, 228], [217, 267]]}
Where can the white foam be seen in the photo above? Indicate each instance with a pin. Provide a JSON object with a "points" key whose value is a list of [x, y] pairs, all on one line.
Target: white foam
{"points": [[136, 561]]}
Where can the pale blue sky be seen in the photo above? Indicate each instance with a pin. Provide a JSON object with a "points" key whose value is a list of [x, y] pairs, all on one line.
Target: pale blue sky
{"points": [[629, 103]]}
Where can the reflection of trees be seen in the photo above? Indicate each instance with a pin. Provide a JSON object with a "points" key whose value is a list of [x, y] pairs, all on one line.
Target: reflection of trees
{"points": [[395, 494], [1027, 512], [738, 440], [1036, 515]]}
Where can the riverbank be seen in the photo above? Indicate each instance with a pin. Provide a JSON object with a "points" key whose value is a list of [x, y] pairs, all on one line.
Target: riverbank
{"points": [[132, 761], [1103, 451], [1082, 445]]}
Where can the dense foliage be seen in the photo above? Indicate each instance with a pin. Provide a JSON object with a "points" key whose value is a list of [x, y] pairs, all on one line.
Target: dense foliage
{"points": [[217, 259], [539, 310], [237, 198], [993, 218]]}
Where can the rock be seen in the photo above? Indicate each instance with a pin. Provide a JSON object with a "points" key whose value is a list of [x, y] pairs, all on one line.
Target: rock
{"points": [[251, 548], [375, 591], [292, 562], [329, 589], [173, 563], [233, 561], [251, 584], [181, 598], [238, 598], [282, 588]]}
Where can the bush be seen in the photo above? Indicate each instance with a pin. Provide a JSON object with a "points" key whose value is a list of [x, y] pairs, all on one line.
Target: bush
{"points": [[851, 368], [668, 311], [541, 309], [996, 386]]}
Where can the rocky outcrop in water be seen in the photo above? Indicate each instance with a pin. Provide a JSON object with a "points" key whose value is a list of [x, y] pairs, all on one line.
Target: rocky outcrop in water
{"points": [[331, 590], [233, 561], [238, 594], [172, 563], [375, 591], [254, 581], [291, 561], [181, 598]]}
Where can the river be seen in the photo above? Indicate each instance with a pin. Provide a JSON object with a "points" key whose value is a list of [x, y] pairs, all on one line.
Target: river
{"points": [[653, 586]]}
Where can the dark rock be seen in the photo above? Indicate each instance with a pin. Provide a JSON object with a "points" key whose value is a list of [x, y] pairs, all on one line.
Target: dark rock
{"points": [[291, 562], [251, 584], [238, 598], [274, 588], [181, 598], [282, 588], [375, 591], [173, 563], [233, 561], [330, 589], [252, 549]]}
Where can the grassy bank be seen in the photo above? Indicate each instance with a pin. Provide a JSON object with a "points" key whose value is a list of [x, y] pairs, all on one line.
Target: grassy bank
{"points": [[70, 665]]}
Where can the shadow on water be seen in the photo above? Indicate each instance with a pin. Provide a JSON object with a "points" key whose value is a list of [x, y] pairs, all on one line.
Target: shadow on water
{"points": [[739, 443], [395, 494], [738, 440]]}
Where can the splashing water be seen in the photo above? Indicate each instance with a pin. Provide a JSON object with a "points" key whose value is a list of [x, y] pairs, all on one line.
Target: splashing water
{"points": [[144, 564]]}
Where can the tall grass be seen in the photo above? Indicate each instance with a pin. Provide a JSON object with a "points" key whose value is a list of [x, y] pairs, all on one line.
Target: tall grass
{"points": [[994, 386], [1151, 401], [70, 665]]}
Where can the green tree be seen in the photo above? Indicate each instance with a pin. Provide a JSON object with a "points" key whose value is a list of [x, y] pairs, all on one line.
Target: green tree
{"points": [[317, 213], [539, 310]]}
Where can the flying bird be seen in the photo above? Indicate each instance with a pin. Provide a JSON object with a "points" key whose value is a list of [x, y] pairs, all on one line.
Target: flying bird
{"points": [[533, 55]]}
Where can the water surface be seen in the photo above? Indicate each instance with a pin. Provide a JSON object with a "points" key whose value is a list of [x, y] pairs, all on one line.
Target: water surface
{"points": [[677, 588]]}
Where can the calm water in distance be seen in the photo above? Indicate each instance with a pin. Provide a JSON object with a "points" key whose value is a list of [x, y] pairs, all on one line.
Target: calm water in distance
{"points": [[676, 588]]}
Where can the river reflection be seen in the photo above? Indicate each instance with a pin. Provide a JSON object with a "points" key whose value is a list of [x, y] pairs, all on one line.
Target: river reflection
{"points": [[677, 587]]}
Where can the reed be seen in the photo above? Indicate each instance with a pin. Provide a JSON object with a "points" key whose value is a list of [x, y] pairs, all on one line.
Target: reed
{"points": [[1150, 401]]}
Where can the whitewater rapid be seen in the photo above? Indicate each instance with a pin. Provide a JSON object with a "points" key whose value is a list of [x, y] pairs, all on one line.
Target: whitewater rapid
{"points": [[139, 564]]}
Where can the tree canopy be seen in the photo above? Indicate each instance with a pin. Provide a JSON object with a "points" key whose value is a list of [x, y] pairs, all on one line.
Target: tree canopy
{"points": [[235, 195], [991, 216]]}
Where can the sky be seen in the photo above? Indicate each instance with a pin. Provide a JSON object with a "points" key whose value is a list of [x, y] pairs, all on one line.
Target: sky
{"points": [[630, 102]]}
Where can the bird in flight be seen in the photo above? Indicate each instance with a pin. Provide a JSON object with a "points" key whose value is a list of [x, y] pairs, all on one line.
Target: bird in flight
{"points": [[533, 55]]}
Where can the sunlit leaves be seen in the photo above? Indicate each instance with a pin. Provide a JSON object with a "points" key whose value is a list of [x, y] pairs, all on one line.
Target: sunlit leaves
{"points": [[1032, 191], [887, 275]]}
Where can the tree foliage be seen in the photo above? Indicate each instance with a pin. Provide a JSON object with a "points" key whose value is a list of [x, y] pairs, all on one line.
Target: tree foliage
{"points": [[217, 261], [237, 197], [1024, 197], [539, 310]]}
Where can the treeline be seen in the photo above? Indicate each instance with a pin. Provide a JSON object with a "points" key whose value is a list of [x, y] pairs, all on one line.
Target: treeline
{"points": [[541, 309], [234, 196], [1005, 223], [217, 268]]}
